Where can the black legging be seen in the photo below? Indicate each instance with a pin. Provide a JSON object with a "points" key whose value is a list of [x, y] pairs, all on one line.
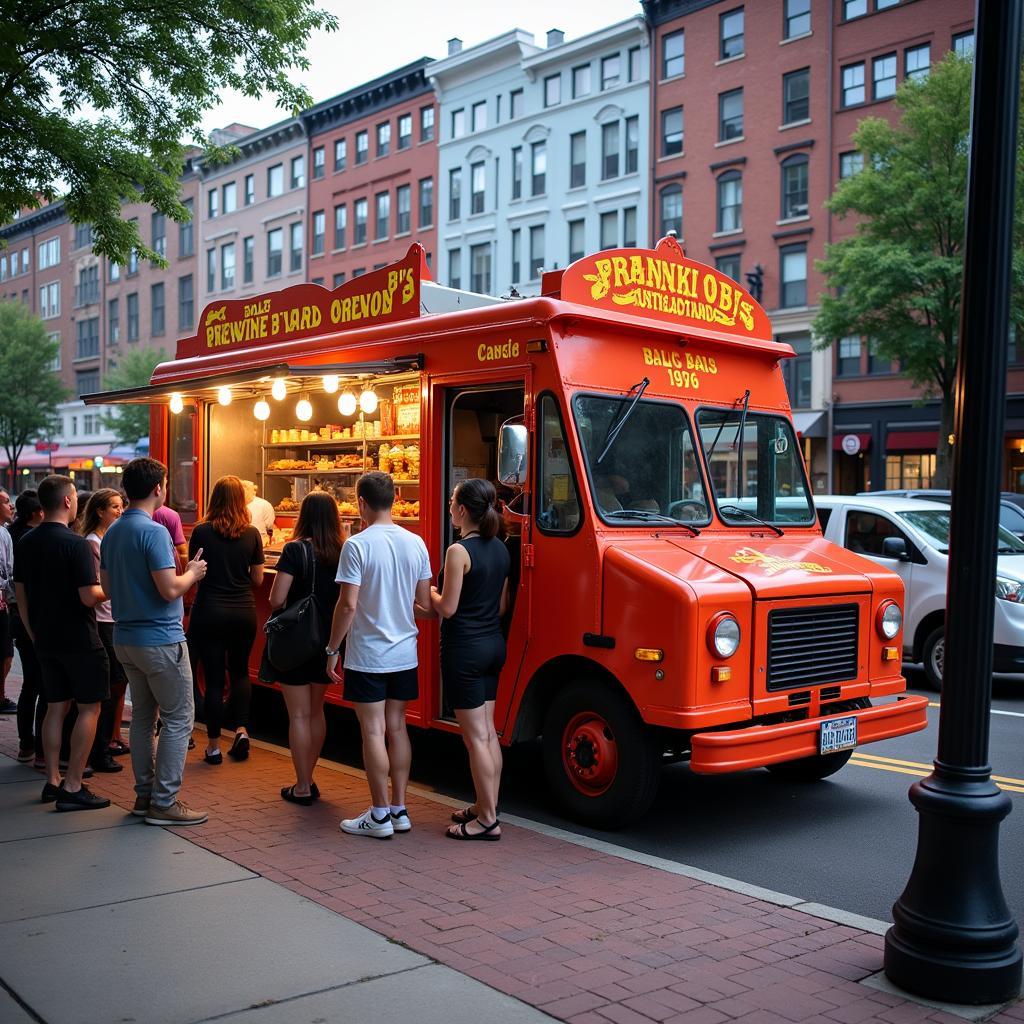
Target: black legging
{"points": [[222, 639], [31, 702], [106, 727]]}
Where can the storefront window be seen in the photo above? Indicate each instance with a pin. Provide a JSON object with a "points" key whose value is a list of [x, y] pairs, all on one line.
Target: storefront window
{"points": [[558, 507], [181, 471], [912, 472]]}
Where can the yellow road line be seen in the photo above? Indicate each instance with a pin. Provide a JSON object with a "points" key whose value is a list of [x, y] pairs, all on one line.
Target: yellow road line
{"points": [[889, 764]]}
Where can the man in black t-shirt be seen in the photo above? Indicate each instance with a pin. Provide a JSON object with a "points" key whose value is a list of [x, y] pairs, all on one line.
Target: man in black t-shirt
{"points": [[57, 589]]}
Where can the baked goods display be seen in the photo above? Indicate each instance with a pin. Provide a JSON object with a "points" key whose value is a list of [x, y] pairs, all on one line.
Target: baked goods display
{"points": [[405, 509], [401, 461], [321, 463]]}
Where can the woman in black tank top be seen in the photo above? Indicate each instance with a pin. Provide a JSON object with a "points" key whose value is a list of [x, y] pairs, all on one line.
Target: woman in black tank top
{"points": [[470, 607]]}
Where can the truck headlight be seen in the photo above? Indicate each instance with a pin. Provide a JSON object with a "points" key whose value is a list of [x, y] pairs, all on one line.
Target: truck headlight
{"points": [[724, 635], [889, 620], [1009, 590]]}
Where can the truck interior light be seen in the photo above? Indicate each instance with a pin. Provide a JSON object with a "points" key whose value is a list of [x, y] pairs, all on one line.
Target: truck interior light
{"points": [[347, 403], [330, 383], [224, 395], [176, 403], [368, 401], [261, 410], [890, 654], [889, 620], [649, 654], [724, 635], [540, 345], [721, 674], [278, 389], [303, 409]]}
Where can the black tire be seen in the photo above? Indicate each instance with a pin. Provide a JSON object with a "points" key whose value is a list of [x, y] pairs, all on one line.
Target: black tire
{"points": [[932, 655], [811, 769], [632, 761]]}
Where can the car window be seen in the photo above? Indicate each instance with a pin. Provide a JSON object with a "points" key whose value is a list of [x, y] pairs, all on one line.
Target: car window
{"points": [[865, 532], [1011, 518], [824, 514]]}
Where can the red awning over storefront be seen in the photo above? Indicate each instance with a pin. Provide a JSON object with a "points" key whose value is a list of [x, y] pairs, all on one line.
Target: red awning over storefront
{"points": [[837, 440], [29, 459], [912, 441], [73, 455]]}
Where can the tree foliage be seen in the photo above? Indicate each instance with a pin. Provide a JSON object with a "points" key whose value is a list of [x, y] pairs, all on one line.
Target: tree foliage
{"points": [[32, 390], [102, 94], [130, 422], [898, 280]]}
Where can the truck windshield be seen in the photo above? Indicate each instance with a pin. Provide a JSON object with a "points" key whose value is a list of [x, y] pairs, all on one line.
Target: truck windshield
{"points": [[651, 475], [935, 526], [755, 467]]}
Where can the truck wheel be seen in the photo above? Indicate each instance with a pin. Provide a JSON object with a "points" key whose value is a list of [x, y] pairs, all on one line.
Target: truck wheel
{"points": [[933, 654], [811, 769], [599, 759]]}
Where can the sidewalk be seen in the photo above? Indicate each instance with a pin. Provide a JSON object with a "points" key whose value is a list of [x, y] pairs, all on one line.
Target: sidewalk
{"points": [[268, 913]]}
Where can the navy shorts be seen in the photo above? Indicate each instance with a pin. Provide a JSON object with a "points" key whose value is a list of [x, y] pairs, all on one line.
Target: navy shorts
{"points": [[81, 676], [470, 670], [372, 687]]}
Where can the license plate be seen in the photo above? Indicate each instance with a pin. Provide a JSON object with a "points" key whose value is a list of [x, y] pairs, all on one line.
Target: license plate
{"points": [[837, 734]]}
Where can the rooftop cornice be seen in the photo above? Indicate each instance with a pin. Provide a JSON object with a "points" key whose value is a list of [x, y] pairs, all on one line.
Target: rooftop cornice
{"points": [[518, 41], [658, 12], [623, 30], [33, 221]]}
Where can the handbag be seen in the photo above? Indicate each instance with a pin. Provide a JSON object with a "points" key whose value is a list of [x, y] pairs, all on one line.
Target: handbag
{"points": [[294, 634]]}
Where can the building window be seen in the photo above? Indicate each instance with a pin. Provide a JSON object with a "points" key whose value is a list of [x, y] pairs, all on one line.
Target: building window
{"points": [[83, 236], [212, 203], [295, 233], [338, 279], [454, 193], [250, 189], [361, 212], [211, 269], [114, 271], [229, 198], [796, 18], [382, 205], [517, 172], [458, 123], [113, 321], [538, 168], [405, 131], [796, 372], [963, 45], [552, 90], [536, 251], [275, 250], [730, 34], [426, 202], [340, 154], [87, 383], [25, 259], [796, 96], [88, 290], [275, 180], [610, 71], [853, 85], [227, 265], [480, 268], [876, 363], [914, 472], [917, 62], [883, 77], [87, 338], [854, 9], [673, 54], [54, 337], [577, 240], [671, 204], [248, 259], [477, 187], [794, 187], [672, 131], [478, 116], [132, 316], [629, 222], [49, 300], [730, 202], [185, 236], [362, 147], [426, 124], [454, 268], [635, 68], [340, 224], [358, 272], [48, 252], [850, 163], [516, 104], [632, 144], [319, 232], [156, 303], [729, 265], [515, 250], [577, 159], [609, 229], [298, 172], [403, 207], [730, 115], [793, 275], [581, 81], [384, 139], [610, 151], [848, 357], [319, 163], [186, 303]]}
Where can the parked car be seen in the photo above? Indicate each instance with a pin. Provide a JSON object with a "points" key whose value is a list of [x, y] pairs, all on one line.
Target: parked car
{"points": [[911, 536], [1011, 505]]}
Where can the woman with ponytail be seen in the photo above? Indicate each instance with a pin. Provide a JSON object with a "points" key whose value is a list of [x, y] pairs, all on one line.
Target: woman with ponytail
{"points": [[470, 605]]}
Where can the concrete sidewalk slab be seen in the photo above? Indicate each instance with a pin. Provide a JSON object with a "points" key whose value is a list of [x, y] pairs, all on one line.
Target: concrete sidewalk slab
{"points": [[24, 817], [189, 956], [111, 865], [11, 1012], [13, 771]]}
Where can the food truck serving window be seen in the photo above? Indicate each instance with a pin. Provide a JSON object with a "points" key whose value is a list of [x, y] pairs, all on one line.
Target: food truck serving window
{"points": [[755, 467], [650, 472]]}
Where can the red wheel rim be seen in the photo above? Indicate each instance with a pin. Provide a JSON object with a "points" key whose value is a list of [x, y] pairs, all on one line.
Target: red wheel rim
{"points": [[590, 755]]}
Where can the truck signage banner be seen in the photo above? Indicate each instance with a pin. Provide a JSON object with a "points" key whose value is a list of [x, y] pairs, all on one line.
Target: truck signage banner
{"points": [[310, 310], [663, 284]]}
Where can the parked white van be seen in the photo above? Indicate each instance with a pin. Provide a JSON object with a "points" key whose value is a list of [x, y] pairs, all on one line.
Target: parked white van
{"points": [[911, 537]]}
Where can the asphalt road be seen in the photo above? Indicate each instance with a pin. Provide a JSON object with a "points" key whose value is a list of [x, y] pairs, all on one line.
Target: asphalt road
{"points": [[846, 842]]}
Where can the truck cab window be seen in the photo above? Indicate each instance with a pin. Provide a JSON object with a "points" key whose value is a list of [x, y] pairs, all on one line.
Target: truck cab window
{"points": [[558, 507]]}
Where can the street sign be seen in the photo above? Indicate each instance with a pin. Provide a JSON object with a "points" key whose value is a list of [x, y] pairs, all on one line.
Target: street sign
{"points": [[850, 444]]}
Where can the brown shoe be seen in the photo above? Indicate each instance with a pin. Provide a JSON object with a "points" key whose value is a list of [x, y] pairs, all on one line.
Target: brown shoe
{"points": [[141, 808], [176, 814]]}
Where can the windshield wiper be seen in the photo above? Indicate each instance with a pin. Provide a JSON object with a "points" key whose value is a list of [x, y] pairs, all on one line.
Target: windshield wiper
{"points": [[617, 423], [733, 509], [648, 516], [745, 399]]}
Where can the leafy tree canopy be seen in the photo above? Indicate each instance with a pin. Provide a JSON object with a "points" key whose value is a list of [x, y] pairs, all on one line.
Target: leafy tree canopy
{"points": [[130, 422], [101, 95]]}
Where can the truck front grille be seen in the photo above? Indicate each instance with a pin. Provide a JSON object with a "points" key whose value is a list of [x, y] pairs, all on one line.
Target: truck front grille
{"points": [[812, 646]]}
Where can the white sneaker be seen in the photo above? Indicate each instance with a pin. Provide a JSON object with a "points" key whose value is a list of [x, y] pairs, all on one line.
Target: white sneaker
{"points": [[400, 822], [367, 825]]}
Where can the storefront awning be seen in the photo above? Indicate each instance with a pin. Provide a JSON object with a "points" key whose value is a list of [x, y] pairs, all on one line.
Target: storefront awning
{"points": [[837, 440], [912, 441], [73, 456], [811, 423], [29, 459]]}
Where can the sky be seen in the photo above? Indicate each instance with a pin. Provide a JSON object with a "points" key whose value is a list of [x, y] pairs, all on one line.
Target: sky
{"points": [[374, 38]]}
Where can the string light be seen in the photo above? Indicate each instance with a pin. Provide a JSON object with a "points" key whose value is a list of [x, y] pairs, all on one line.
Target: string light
{"points": [[278, 389], [347, 404], [224, 395], [261, 410], [368, 401], [330, 383], [304, 410], [176, 403]]}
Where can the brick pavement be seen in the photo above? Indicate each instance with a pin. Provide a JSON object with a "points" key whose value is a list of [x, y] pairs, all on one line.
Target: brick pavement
{"points": [[585, 936]]}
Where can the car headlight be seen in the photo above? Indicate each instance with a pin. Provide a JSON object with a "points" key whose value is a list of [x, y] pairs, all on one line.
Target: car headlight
{"points": [[889, 620], [724, 635], [1009, 590]]}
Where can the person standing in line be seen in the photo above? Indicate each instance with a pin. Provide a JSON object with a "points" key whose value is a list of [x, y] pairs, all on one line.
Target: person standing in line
{"points": [[169, 518], [470, 606], [222, 623], [104, 509], [308, 563], [55, 579], [137, 567], [31, 701], [7, 706], [384, 573], [261, 512]]}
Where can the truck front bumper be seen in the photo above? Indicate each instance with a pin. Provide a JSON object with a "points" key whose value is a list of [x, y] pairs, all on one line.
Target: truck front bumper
{"points": [[758, 745]]}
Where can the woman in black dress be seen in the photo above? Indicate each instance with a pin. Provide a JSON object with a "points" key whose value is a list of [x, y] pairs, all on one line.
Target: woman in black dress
{"points": [[222, 624], [470, 605], [315, 547]]}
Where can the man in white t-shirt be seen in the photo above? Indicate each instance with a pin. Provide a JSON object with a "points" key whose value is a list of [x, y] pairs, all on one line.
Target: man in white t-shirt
{"points": [[261, 512], [384, 573]]}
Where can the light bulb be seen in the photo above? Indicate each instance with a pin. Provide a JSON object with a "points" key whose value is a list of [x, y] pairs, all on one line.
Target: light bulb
{"points": [[224, 395], [368, 401], [303, 410], [347, 404], [330, 383], [278, 389], [176, 403], [261, 410]]}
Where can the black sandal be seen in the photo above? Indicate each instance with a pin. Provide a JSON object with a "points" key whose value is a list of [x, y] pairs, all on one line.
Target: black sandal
{"points": [[288, 793], [466, 814], [314, 791], [486, 836]]}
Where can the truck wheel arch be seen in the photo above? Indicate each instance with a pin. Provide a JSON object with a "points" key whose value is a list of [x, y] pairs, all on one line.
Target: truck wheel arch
{"points": [[930, 622]]}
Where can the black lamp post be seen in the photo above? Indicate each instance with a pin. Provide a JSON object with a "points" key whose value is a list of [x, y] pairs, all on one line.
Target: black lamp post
{"points": [[954, 938]]}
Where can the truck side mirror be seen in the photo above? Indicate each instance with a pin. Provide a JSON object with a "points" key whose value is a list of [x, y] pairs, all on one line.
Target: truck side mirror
{"points": [[513, 454], [895, 547]]}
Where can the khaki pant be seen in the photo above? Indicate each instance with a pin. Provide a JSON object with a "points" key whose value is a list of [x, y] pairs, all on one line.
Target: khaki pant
{"points": [[160, 679]]}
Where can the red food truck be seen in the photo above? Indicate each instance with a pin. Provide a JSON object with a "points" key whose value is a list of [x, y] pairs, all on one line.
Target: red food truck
{"points": [[673, 596]]}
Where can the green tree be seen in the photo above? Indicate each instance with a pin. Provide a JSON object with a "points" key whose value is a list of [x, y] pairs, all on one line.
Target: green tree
{"points": [[32, 390], [897, 280], [130, 422], [102, 94]]}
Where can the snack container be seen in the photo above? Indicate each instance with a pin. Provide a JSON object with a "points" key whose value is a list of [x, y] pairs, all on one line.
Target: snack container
{"points": [[384, 459]]}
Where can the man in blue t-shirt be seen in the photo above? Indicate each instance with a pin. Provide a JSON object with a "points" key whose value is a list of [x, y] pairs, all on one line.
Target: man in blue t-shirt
{"points": [[139, 574]]}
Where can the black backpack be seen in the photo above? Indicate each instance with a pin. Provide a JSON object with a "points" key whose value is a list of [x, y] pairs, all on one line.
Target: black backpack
{"points": [[294, 634]]}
